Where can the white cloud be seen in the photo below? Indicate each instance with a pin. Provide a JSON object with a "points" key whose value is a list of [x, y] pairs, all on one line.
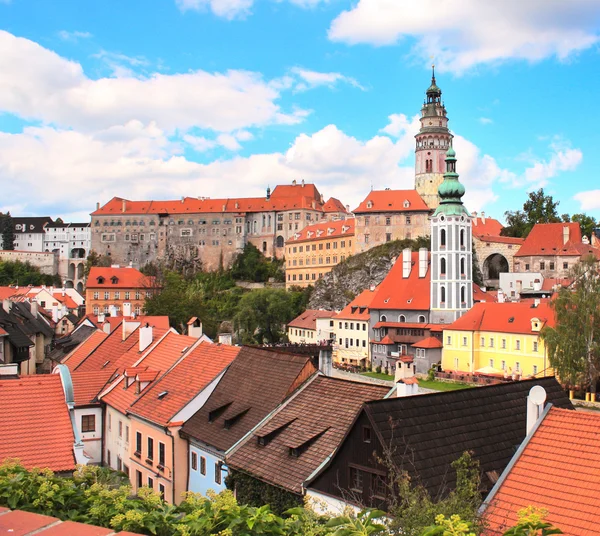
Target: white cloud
{"points": [[589, 200], [308, 3], [73, 36], [38, 84], [464, 33], [228, 9], [311, 79], [486, 120]]}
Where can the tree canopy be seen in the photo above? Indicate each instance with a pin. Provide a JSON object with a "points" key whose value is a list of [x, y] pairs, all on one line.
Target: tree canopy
{"points": [[7, 230], [24, 274], [574, 342]]}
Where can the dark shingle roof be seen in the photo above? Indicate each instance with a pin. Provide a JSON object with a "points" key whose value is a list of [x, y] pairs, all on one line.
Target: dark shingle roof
{"points": [[254, 384], [31, 225], [313, 423], [427, 433]]}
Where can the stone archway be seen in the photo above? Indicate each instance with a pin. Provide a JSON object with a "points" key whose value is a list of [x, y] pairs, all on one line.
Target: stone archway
{"points": [[493, 266]]}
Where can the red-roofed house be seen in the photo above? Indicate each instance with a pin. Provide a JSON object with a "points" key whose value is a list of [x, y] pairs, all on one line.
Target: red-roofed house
{"points": [[311, 327], [387, 215], [501, 339], [209, 231], [313, 251], [495, 253], [124, 290], [556, 469], [552, 249]]}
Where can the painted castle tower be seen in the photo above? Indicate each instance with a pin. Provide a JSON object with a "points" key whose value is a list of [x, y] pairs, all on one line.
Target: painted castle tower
{"points": [[451, 250], [432, 142]]}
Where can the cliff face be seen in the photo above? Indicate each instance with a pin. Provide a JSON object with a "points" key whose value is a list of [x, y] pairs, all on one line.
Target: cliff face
{"points": [[349, 278]]}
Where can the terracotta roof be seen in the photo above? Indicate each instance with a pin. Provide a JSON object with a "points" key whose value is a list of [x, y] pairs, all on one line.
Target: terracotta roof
{"points": [[308, 319], [486, 226], [183, 382], [324, 231], [480, 295], [20, 523], [77, 356], [88, 385], [3, 333], [243, 402], [313, 422], [155, 321], [547, 239], [118, 278], [426, 433], [429, 342], [392, 201], [9, 292], [334, 205], [397, 292], [159, 358], [550, 283], [557, 470], [65, 300], [504, 317], [358, 308], [35, 408]]}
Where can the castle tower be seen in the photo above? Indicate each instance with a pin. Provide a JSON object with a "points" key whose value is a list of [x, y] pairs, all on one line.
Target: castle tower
{"points": [[451, 250], [432, 142]]}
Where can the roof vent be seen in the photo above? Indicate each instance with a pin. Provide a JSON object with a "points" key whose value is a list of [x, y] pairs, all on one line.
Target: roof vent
{"points": [[105, 364], [511, 319], [162, 395]]}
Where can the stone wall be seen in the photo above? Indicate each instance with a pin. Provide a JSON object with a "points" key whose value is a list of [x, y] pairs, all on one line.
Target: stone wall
{"points": [[485, 249], [375, 229], [45, 261]]}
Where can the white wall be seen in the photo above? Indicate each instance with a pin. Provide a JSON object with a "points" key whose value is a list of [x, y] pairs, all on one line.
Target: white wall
{"points": [[92, 440]]}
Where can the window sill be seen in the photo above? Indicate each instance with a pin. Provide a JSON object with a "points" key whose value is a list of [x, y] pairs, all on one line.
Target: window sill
{"points": [[149, 461], [137, 454]]}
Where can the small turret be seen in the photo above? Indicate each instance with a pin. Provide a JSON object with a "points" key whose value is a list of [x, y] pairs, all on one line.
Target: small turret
{"points": [[268, 193]]}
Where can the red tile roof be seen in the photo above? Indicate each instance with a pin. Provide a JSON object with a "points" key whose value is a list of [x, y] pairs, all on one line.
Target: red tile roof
{"points": [[324, 231], [334, 205], [486, 226], [77, 356], [397, 292], [358, 308], [504, 317], [429, 342], [65, 300], [87, 385], [308, 319], [160, 358], [314, 421], [547, 239], [183, 382], [9, 292], [558, 470], [155, 321], [35, 422], [118, 278], [486, 296], [392, 201], [3, 333]]}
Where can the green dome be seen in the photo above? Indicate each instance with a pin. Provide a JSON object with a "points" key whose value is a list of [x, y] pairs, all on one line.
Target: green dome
{"points": [[451, 190], [451, 153], [434, 89]]}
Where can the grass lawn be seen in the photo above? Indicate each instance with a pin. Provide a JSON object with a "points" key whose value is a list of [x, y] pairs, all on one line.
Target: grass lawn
{"points": [[378, 375], [443, 386]]}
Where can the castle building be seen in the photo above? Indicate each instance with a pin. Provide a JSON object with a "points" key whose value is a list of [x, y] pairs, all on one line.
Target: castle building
{"points": [[432, 142]]}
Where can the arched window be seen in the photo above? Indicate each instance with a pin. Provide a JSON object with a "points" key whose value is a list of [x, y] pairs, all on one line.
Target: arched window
{"points": [[401, 318], [462, 295], [443, 238], [462, 267], [280, 241], [383, 318], [462, 238], [443, 266], [443, 295], [421, 319]]}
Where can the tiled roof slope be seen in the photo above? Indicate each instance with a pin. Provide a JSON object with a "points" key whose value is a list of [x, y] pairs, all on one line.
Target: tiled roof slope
{"points": [[125, 278], [324, 231], [256, 382], [20, 523], [410, 293], [88, 385], [77, 356], [428, 432], [35, 423], [183, 382], [358, 308], [488, 229], [558, 470], [392, 201], [334, 205], [308, 319], [547, 239], [159, 359], [317, 419], [504, 317]]}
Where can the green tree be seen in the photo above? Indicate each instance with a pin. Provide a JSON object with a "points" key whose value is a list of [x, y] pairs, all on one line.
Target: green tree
{"points": [[95, 259], [539, 208], [574, 342], [7, 229], [24, 273], [252, 265], [587, 224]]}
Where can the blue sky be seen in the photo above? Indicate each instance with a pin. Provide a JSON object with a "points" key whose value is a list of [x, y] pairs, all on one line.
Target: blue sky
{"points": [[222, 98]]}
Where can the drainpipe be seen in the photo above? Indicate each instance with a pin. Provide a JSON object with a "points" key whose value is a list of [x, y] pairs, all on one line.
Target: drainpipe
{"points": [[172, 465]]}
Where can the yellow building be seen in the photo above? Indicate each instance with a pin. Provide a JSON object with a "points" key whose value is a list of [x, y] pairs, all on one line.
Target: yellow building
{"points": [[501, 339], [315, 250]]}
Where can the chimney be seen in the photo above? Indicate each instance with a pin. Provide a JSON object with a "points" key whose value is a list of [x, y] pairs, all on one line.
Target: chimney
{"points": [[195, 328], [100, 318], [483, 217], [33, 308], [112, 310], [97, 205], [535, 406], [406, 263], [422, 262], [566, 231], [6, 305], [63, 292], [129, 327], [55, 313], [145, 337], [127, 309], [585, 240], [372, 287], [325, 361], [106, 327], [123, 205], [406, 383], [294, 182], [302, 183], [182, 198]]}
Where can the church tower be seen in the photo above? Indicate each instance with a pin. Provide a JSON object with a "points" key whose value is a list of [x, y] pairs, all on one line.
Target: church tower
{"points": [[451, 250], [432, 142]]}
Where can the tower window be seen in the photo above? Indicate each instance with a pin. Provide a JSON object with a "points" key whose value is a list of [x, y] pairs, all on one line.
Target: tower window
{"points": [[443, 238], [462, 295], [462, 267], [443, 267], [462, 238], [443, 295]]}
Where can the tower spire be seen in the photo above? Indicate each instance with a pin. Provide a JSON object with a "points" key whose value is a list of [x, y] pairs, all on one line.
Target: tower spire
{"points": [[451, 190]]}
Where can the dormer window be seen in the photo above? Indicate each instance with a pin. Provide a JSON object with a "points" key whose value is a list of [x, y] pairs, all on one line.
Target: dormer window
{"points": [[406, 203], [114, 279], [369, 204], [100, 280], [330, 231]]}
